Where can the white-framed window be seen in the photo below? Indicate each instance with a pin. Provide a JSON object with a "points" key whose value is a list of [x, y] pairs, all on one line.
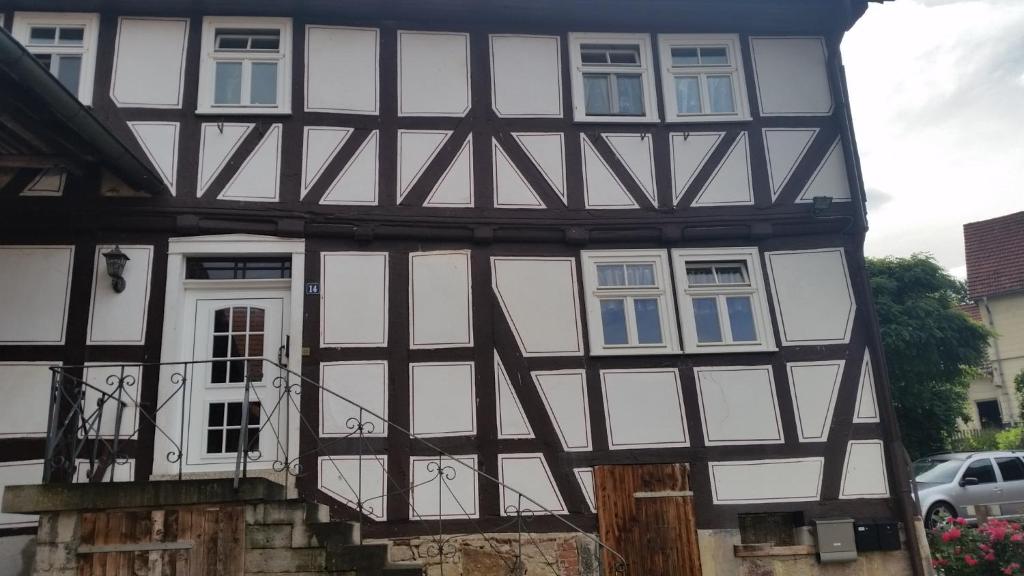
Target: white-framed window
{"points": [[629, 303], [65, 44], [612, 78], [722, 302], [245, 66], [702, 77]]}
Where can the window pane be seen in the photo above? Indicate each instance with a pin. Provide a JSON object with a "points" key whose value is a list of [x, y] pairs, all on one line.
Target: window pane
{"points": [[640, 275], [688, 94], [720, 95], [624, 57], [705, 316], [597, 94], [698, 276], [264, 83], [214, 439], [46, 60], [613, 321], [231, 438], [42, 35], [228, 42], [1010, 468], [71, 36], [714, 56], [265, 42], [741, 319], [982, 470], [611, 275], [730, 275], [254, 413], [631, 94], [648, 321], [685, 57], [593, 57], [69, 69], [228, 83], [234, 414]]}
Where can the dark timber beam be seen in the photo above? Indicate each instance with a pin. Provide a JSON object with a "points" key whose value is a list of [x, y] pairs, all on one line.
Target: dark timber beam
{"points": [[41, 161]]}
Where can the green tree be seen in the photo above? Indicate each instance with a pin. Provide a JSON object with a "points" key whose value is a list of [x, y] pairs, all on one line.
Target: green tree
{"points": [[932, 348]]}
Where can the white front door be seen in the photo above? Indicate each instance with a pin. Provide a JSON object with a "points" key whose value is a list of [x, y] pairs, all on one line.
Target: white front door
{"points": [[233, 333]]}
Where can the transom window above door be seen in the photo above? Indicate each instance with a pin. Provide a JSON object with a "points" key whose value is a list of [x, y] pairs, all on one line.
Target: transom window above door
{"points": [[65, 44], [612, 81], [247, 268], [238, 334], [702, 78], [245, 66]]}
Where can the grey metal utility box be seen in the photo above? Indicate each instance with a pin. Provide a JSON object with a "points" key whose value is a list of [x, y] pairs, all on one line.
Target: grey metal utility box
{"points": [[836, 540]]}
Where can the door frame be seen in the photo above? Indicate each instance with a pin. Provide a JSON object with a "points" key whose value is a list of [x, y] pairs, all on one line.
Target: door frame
{"points": [[173, 348]]}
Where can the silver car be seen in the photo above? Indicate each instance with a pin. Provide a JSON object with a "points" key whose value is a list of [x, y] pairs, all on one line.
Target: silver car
{"points": [[954, 484]]}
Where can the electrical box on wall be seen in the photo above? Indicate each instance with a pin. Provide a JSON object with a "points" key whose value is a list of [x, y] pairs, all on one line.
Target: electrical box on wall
{"points": [[874, 535], [836, 540]]}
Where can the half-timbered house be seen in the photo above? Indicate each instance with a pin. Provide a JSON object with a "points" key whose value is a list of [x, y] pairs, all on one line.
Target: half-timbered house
{"points": [[505, 285]]}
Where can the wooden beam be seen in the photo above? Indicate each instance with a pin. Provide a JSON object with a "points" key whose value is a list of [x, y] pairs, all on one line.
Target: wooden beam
{"points": [[40, 161]]}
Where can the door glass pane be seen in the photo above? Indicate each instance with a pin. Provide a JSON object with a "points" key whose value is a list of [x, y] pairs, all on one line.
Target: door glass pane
{"points": [[220, 347], [214, 441], [69, 69], [216, 414], [685, 57], [631, 94], [1011, 469], [255, 320], [597, 93], [640, 275], [220, 320], [264, 83], [611, 275], [238, 318], [720, 95], [688, 94], [705, 315], [741, 319], [982, 470], [613, 322], [228, 83], [231, 436], [236, 372], [648, 321], [238, 346]]}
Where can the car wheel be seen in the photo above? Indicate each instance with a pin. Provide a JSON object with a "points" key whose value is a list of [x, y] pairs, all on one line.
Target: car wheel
{"points": [[938, 513]]}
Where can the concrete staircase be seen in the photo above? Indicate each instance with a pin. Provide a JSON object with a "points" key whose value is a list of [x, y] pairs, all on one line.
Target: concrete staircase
{"points": [[294, 538]]}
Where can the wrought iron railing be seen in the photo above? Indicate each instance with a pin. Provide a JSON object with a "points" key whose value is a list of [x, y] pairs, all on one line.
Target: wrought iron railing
{"points": [[77, 436]]}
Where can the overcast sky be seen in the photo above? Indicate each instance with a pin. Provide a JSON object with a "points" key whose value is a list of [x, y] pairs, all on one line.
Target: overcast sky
{"points": [[937, 90]]}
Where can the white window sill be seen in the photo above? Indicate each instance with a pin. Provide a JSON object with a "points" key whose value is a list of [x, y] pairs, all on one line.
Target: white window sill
{"points": [[242, 111], [706, 119], [730, 349], [616, 119], [637, 351]]}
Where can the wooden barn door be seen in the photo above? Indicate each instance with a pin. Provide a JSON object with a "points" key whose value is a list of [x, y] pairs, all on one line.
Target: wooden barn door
{"points": [[645, 512]]}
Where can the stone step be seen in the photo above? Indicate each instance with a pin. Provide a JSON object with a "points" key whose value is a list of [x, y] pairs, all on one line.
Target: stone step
{"points": [[286, 560]]}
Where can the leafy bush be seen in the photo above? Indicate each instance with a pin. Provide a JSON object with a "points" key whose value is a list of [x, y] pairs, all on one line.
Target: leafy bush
{"points": [[1018, 385], [1009, 439], [993, 549], [979, 441]]}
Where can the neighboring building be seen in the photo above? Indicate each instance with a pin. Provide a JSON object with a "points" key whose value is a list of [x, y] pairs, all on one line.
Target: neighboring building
{"points": [[995, 283], [484, 277]]}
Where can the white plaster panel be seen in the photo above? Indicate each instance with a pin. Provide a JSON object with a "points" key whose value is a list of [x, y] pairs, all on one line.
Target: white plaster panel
{"points": [[354, 299], [443, 488], [601, 189], [443, 399], [121, 318], [812, 294], [814, 387], [34, 302], [149, 62], [540, 299], [547, 150], [416, 148], [585, 476], [439, 300], [511, 190], [512, 421], [829, 179], [342, 69], [259, 177], [49, 182], [644, 408], [690, 151], [455, 188], [791, 75], [730, 184], [529, 475], [357, 182], [636, 152], [738, 405], [784, 148], [320, 144], [866, 409], [526, 76], [217, 142], [433, 73], [766, 481], [124, 471], [347, 386], [564, 393], [350, 482], [159, 141], [107, 378], [15, 474], [25, 387], [864, 474]]}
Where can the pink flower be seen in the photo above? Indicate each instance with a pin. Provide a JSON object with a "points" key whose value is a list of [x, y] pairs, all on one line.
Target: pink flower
{"points": [[1007, 570], [951, 534], [997, 533], [1018, 537], [970, 560], [990, 557], [960, 521]]}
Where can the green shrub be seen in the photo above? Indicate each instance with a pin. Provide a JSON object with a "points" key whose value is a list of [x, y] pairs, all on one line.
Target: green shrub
{"points": [[1009, 439]]}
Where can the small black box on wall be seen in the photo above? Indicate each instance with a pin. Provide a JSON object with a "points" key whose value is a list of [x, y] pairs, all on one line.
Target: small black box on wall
{"points": [[873, 535]]}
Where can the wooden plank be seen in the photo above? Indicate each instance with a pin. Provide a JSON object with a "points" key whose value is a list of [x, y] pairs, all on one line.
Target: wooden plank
{"points": [[757, 550], [184, 532], [233, 549], [135, 547], [99, 537], [156, 532], [115, 520], [211, 518], [197, 562]]}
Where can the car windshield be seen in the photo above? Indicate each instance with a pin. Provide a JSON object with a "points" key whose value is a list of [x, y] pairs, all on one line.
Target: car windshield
{"points": [[936, 470]]}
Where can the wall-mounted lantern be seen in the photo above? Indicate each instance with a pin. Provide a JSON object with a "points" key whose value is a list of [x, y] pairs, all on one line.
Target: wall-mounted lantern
{"points": [[116, 261]]}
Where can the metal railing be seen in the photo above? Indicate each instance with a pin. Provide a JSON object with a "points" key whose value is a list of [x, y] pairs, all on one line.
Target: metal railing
{"points": [[77, 436]]}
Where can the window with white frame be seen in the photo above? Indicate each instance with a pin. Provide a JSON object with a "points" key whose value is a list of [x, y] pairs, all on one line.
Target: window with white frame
{"points": [[629, 306], [702, 77], [612, 80], [722, 301], [65, 44], [246, 66]]}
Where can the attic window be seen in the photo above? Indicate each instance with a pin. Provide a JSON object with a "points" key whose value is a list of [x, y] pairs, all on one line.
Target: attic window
{"points": [[702, 76], [246, 66], [65, 44], [612, 77]]}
